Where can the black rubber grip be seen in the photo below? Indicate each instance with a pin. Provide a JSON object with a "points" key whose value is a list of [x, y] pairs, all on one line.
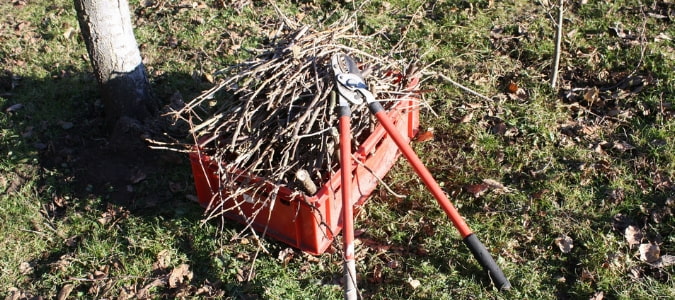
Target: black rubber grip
{"points": [[375, 107], [343, 111], [487, 262]]}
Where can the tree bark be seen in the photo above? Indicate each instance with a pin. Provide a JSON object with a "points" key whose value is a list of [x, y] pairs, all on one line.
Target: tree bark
{"points": [[108, 34]]}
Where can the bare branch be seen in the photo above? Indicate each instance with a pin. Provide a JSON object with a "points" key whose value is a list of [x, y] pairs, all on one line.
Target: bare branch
{"points": [[558, 40]]}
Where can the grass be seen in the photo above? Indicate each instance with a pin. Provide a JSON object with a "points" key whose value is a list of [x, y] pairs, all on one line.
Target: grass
{"points": [[563, 156]]}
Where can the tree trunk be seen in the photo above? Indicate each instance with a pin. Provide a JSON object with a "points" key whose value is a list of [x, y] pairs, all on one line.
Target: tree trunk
{"points": [[108, 33]]}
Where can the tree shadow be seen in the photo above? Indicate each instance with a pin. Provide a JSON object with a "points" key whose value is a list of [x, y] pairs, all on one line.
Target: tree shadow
{"points": [[62, 128], [58, 128]]}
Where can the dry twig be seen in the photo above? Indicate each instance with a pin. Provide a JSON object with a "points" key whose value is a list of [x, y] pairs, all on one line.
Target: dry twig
{"points": [[274, 115], [558, 39]]}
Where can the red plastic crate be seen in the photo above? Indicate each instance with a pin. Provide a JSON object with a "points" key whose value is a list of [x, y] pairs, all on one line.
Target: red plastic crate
{"points": [[309, 223]]}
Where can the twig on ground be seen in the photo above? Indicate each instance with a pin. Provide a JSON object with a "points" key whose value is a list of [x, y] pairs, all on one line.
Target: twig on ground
{"points": [[384, 184], [558, 41], [459, 85], [642, 41]]}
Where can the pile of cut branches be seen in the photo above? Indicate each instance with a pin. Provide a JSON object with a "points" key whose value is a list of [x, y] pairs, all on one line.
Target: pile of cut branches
{"points": [[273, 115]]}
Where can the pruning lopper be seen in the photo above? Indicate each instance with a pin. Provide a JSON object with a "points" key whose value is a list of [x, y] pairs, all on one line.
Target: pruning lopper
{"points": [[352, 89]]}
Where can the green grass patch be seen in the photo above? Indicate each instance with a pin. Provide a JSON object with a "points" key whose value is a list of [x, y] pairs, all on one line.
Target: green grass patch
{"points": [[572, 163]]}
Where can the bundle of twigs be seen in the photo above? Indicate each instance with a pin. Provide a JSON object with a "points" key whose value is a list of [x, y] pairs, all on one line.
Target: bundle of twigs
{"points": [[273, 115]]}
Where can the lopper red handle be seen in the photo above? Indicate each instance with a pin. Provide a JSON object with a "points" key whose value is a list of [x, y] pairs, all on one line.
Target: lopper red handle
{"points": [[349, 268], [477, 248]]}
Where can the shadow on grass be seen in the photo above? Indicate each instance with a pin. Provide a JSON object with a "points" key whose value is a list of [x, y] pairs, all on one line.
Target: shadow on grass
{"points": [[61, 128], [56, 125]]}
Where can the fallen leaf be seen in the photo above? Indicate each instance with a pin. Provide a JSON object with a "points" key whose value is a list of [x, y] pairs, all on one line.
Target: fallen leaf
{"points": [[662, 37], [172, 42], [477, 189], [244, 275], [375, 245], [467, 118], [496, 185], [105, 218], [622, 146], [496, 32], [310, 258], [636, 272], [286, 255], [619, 31], [144, 293], [599, 295], [591, 95], [616, 195], [512, 88], [633, 235], [588, 130], [361, 252], [15, 294], [113, 214], [14, 107], [660, 214], [243, 256], [511, 131], [664, 261], [209, 77], [649, 252], [126, 293], [69, 32], [587, 276], [180, 275], [163, 260], [21, 26], [499, 128], [421, 251], [571, 33], [414, 283], [72, 241], [644, 186], [62, 263], [425, 136], [102, 272], [25, 268], [117, 264], [377, 274], [60, 201], [206, 288], [65, 291], [518, 94], [620, 222], [96, 275], [565, 243], [297, 51], [197, 21]]}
